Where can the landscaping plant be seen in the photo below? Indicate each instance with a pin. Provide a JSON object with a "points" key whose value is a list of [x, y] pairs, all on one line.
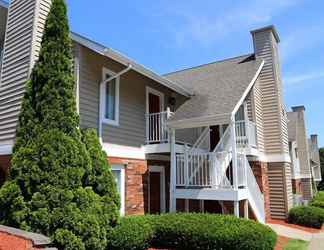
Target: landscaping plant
{"points": [[60, 183], [190, 232], [308, 216]]}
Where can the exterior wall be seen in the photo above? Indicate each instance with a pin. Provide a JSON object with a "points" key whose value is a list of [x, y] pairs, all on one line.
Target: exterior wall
{"points": [[26, 21], [302, 141], [4, 167], [274, 120], [258, 114], [132, 100], [307, 189], [280, 187], [136, 184], [297, 186], [260, 170]]}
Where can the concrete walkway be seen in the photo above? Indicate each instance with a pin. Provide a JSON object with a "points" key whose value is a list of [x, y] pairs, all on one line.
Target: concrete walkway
{"points": [[316, 239]]}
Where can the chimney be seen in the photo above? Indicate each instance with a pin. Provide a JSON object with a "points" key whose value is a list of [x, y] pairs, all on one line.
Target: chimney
{"points": [[25, 25], [265, 41], [300, 108], [314, 139]]}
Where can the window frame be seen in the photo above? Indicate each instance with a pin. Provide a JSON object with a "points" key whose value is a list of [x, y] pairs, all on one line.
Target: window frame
{"points": [[121, 168], [103, 91]]}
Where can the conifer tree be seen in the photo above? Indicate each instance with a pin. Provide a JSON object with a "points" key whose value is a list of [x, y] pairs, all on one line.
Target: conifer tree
{"points": [[58, 185]]}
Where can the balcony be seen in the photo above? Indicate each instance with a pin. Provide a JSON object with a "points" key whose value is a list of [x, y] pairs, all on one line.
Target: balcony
{"points": [[245, 134], [156, 127]]}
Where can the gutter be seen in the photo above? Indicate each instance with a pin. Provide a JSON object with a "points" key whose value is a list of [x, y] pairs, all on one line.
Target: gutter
{"points": [[129, 67]]}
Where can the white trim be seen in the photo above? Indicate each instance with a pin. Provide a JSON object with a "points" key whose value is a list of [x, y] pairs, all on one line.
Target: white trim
{"points": [[121, 168], [77, 82], [274, 157], [6, 149], [212, 194], [161, 170], [103, 87], [115, 150], [150, 90], [246, 92], [108, 52]]}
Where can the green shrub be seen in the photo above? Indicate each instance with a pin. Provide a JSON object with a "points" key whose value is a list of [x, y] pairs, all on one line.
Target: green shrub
{"points": [[190, 231], [60, 184], [306, 216], [318, 200]]}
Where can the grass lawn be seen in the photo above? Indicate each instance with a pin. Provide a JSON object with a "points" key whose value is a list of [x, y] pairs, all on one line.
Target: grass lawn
{"points": [[296, 245]]}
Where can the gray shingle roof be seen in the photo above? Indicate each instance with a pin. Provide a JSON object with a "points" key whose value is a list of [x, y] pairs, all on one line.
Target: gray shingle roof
{"points": [[292, 126], [218, 86]]}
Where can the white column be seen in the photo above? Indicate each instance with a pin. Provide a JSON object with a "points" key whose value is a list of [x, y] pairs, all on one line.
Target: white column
{"points": [[173, 172], [234, 152], [246, 209], [237, 209]]}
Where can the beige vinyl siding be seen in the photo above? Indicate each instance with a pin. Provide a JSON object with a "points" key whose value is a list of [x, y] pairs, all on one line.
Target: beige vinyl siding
{"points": [[257, 111], [275, 140], [307, 188], [276, 178], [16, 64], [22, 43], [132, 100], [288, 187]]}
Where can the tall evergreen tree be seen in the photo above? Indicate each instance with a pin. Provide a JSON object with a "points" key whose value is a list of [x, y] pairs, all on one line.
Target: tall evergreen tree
{"points": [[58, 185]]}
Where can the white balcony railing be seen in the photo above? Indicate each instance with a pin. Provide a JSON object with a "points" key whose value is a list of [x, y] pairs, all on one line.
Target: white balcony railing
{"points": [[245, 133], [156, 128]]}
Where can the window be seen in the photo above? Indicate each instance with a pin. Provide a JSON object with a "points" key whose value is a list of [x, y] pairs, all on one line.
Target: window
{"points": [[110, 99], [119, 174]]}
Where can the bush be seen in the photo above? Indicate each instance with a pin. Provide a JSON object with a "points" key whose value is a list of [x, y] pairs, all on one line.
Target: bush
{"points": [[306, 216], [190, 231], [318, 200]]}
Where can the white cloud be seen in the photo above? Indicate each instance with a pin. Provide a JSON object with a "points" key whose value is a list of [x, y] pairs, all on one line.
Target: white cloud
{"points": [[293, 79], [204, 23]]}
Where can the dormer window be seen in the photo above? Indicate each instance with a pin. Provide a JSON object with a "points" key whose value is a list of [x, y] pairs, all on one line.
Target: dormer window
{"points": [[110, 98]]}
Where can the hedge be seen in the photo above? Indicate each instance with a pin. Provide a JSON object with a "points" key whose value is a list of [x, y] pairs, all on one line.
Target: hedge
{"points": [[308, 216], [318, 200], [190, 231]]}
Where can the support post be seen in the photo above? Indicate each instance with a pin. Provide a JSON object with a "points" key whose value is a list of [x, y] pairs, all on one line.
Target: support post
{"points": [[246, 209], [173, 172], [237, 209], [234, 157]]}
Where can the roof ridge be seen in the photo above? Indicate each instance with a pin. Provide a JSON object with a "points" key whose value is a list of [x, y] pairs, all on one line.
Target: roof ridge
{"points": [[206, 64]]}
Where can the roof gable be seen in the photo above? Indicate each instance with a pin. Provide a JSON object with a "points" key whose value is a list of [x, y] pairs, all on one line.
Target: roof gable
{"points": [[218, 87]]}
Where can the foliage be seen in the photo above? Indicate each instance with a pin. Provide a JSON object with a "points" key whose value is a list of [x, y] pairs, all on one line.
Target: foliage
{"points": [[190, 231], [321, 184], [306, 216], [318, 200], [296, 245], [60, 183]]}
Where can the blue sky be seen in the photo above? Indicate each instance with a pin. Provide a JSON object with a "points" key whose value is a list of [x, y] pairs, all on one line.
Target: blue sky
{"points": [[167, 35]]}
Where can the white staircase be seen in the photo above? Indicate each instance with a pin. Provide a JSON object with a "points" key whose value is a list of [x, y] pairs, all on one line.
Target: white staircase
{"points": [[198, 168]]}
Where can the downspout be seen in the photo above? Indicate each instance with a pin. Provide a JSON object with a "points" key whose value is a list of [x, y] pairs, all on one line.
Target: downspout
{"points": [[129, 67]]}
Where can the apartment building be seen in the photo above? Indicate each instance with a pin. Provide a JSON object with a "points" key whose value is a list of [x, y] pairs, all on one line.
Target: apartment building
{"points": [[212, 138]]}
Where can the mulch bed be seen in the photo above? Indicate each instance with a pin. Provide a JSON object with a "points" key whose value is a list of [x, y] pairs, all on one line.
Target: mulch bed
{"points": [[281, 242]]}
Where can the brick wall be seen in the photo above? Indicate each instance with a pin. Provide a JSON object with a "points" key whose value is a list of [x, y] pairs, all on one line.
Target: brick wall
{"points": [[4, 167], [16, 239], [136, 186], [260, 170]]}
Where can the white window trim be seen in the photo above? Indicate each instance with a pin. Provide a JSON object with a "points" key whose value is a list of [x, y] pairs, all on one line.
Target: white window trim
{"points": [[121, 168], [161, 170], [103, 87], [154, 92]]}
